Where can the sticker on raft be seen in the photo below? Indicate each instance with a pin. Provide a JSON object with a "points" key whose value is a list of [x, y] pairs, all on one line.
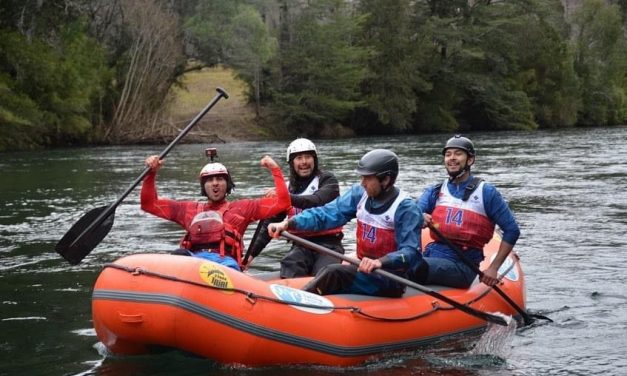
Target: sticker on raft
{"points": [[215, 276], [290, 295]]}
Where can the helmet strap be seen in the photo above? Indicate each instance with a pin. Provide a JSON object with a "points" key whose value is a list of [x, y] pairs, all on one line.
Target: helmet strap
{"points": [[387, 194], [463, 170], [390, 183], [461, 173]]}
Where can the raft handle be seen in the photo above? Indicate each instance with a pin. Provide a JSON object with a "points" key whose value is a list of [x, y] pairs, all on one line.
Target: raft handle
{"points": [[137, 318], [250, 298]]}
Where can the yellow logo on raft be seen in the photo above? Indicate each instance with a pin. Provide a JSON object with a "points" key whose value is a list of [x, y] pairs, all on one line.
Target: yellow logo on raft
{"points": [[215, 276]]}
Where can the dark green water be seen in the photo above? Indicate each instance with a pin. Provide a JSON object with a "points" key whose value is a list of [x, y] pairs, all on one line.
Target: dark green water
{"points": [[566, 187]]}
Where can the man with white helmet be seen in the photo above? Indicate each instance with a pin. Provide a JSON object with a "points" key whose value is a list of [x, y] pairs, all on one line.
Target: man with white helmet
{"points": [[309, 187], [214, 228]]}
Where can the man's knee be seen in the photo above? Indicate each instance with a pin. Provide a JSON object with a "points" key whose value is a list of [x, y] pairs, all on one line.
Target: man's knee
{"points": [[421, 273], [182, 252], [332, 279]]}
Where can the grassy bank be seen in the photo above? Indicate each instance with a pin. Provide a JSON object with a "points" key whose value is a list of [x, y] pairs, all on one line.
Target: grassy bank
{"points": [[230, 120]]}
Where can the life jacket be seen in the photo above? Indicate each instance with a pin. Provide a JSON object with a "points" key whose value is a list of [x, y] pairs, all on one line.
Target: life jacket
{"points": [[376, 233], [464, 221], [474, 183], [208, 230], [311, 188]]}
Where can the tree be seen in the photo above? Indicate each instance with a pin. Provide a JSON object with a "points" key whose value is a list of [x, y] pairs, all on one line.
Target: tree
{"points": [[528, 43], [210, 30], [150, 55], [601, 63], [546, 72], [393, 81], [251, 48], [21, 124], [49, 90], [317, 73], [495, 65]]}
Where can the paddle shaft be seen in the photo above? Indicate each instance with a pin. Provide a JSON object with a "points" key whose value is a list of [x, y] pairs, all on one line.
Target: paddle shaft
{"points": [[527, 319], [111, 208], [252, 241], [471, 311]]}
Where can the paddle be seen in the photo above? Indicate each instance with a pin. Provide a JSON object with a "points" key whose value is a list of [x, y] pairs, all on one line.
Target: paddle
{"points": [[89, 231], [252, 241], [526, 318], [464, 308]]}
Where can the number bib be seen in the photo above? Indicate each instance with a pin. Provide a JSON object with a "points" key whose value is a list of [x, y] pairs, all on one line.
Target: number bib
{"points": [[463, 222], [376, 235]]}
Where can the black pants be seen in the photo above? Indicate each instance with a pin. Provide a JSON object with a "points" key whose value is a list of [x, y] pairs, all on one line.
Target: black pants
{"points": [[346, 279], [303, 262]]}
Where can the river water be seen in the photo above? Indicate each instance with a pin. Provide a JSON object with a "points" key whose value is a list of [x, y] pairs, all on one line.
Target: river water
{"points": [[567, 188]]}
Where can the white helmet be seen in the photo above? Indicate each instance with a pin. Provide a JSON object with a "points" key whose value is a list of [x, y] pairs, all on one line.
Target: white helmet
{"points": [[215, 168], [300, 145]]}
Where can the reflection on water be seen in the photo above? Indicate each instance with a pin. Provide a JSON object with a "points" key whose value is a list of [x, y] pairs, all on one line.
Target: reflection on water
{"points": [[566, 188]]}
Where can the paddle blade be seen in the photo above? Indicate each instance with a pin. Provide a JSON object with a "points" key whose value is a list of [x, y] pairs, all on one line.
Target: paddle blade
{"points": [[74, 251]]}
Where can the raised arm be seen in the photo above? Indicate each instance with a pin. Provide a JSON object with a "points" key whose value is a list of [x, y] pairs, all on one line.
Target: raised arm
{"points": [[273, 205], [149, 200]]}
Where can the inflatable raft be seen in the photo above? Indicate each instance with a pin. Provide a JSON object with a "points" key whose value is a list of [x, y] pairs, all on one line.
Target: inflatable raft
{"points": [[147, 301]]}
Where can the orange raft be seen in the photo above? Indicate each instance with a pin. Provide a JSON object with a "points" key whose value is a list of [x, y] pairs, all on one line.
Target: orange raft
{"points": [[148, 301]]}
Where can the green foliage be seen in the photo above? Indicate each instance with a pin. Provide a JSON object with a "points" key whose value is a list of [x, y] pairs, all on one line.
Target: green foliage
{"points": [[545, 67], [251, 48], [492, 104], [38, 18], [75, 72], [84, 78], [317, 73], [390, 87], [49, 88], [19, 118], [210, 28], [601, 63], [502, 65], [233, 34]]}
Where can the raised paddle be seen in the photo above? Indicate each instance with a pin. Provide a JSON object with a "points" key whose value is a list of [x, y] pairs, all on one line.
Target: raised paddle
{"points": [[464, 308], [526, 318], [89, 231]]}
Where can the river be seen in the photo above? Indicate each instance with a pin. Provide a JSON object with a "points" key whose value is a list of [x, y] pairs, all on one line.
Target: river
{"points": [[567, 189]]}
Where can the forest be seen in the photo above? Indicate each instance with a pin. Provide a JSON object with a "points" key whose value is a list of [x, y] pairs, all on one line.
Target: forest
{"points": [[83, 72]]}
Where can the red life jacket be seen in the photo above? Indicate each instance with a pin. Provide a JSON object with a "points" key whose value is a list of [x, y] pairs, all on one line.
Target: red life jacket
{"points": [[376, 233], [209, 231], [463, 221]]}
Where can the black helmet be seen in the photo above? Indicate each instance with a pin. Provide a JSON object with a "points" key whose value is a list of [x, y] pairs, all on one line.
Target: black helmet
{"points": [[459, 142], [379, 162]]}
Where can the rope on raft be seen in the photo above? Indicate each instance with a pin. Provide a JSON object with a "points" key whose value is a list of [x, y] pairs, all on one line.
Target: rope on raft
{"points": [[253, 297]]}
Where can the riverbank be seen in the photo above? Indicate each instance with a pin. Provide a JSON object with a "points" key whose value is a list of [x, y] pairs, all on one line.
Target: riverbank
{"points": [[230, 120]]}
